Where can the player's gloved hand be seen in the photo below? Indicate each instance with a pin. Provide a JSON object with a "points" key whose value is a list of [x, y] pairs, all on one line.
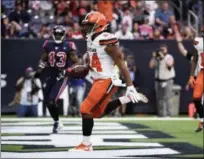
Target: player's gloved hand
{"points": [[61, 74], [134, 96], [191, 81]]}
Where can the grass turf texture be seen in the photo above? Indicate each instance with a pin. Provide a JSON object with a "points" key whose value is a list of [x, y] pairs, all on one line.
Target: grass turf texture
{"points": [[182, 131]]}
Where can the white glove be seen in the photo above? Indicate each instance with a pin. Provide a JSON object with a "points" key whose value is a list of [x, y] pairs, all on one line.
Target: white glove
{"points": [[134, 96]]}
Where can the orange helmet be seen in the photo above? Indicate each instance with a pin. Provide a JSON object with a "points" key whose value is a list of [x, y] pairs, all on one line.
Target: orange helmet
{"points": [[96, 22]]}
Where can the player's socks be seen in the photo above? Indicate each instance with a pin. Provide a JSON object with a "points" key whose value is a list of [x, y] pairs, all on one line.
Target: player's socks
{"points": [[199, 108], [116, 103], [86, 140], [87, 126]]}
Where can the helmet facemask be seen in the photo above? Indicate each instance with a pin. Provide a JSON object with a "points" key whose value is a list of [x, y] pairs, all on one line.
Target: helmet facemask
{"points": [[58, 35]]}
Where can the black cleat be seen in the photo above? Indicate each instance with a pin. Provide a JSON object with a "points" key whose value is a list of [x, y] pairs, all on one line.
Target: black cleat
{"points": [[55, 127], [200, 127]]}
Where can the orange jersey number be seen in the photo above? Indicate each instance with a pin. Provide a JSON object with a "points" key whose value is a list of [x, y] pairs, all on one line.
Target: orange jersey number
{"points": [[96, 63]]}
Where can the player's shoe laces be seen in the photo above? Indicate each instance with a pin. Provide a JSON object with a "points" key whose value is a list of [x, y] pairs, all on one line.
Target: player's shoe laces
{"points": [[82, 147], [57, 126], [200, 127]]}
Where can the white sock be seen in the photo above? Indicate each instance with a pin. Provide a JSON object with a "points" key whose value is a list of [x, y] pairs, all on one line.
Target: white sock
{"points": [[124, 100], [86, 140]]}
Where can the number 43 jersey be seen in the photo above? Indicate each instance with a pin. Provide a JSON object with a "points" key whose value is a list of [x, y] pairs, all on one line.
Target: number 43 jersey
{"points": [[58, 54], [101, 64]]}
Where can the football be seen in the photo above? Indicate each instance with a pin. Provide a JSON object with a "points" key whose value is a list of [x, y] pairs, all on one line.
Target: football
{"points": [[78, 71]]}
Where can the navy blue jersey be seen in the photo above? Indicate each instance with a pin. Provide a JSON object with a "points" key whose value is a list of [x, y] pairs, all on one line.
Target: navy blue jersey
{"points": [[58, 54]]}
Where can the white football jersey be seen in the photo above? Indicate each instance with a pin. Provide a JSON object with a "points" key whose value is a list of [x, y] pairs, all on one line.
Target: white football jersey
{"points": [[102, 65], [198, 44]]}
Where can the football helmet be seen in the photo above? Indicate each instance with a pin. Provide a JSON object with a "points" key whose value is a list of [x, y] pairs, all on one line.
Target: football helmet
{"points": [[94, 22], [58, 34]]}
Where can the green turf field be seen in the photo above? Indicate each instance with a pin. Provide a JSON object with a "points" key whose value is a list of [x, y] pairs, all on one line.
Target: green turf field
{"points": [[178, 134]]}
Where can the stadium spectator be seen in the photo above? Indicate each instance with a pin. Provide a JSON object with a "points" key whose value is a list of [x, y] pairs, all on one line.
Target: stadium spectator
{"points": [[188, 33], [105, 7], [157, 34], [138, 12], [136, 33], [124, 33], [127, 19], [146, 30], [9, 29], [163, 63], [150, 7], [19, 14], [77, 88], [27, 89], [76, 32], [61, 7], [44, 32], [162, 15]]}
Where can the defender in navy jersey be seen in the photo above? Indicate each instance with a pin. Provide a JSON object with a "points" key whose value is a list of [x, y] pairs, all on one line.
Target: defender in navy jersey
{"points": [[58, 55]]}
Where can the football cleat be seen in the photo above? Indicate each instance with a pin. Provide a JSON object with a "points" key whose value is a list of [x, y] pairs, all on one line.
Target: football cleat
{"points": [[57, 126], [82, 147], [200, 127]]}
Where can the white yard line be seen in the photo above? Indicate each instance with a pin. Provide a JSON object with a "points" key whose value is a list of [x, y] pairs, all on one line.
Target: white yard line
{"points": [[94, 154], [102, 119]]}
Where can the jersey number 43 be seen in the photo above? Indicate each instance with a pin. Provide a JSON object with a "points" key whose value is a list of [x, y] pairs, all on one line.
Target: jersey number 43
{"points": [[59, 55]]}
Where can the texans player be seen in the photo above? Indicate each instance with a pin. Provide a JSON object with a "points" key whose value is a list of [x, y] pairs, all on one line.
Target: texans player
{"points": [[56, 57], [196, 80], [103, 53]]}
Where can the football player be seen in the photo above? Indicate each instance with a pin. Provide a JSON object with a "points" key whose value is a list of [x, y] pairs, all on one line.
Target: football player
{"points": [[103, 53], [196, 79], [57, 56]]}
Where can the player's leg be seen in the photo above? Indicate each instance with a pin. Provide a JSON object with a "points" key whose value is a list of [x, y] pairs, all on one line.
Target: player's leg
{"points": [[93, 100], [197, 98], [56, 91], [46, 94]]}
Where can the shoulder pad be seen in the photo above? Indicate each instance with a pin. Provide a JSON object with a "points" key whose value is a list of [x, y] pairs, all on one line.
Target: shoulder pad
{"points": [[108, 39]]}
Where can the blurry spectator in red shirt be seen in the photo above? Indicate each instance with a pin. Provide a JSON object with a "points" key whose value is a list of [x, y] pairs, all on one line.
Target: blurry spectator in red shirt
{"points": [[61, 7], [157, 34], [172, 25], [162, 15], [76, 32]]}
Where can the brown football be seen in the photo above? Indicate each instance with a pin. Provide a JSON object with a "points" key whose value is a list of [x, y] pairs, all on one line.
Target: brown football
{"points": [[79, 71]]}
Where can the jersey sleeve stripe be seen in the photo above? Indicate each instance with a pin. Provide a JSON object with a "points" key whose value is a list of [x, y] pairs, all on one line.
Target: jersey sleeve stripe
{"points": [[45, 43], [110, 41]]}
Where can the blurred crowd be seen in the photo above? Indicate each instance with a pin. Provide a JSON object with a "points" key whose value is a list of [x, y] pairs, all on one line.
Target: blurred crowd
{"points": [[131, 19]]}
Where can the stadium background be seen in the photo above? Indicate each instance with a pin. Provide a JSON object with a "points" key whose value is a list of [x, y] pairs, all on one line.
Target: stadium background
{"points": [[25, 23], [21, 44]]}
